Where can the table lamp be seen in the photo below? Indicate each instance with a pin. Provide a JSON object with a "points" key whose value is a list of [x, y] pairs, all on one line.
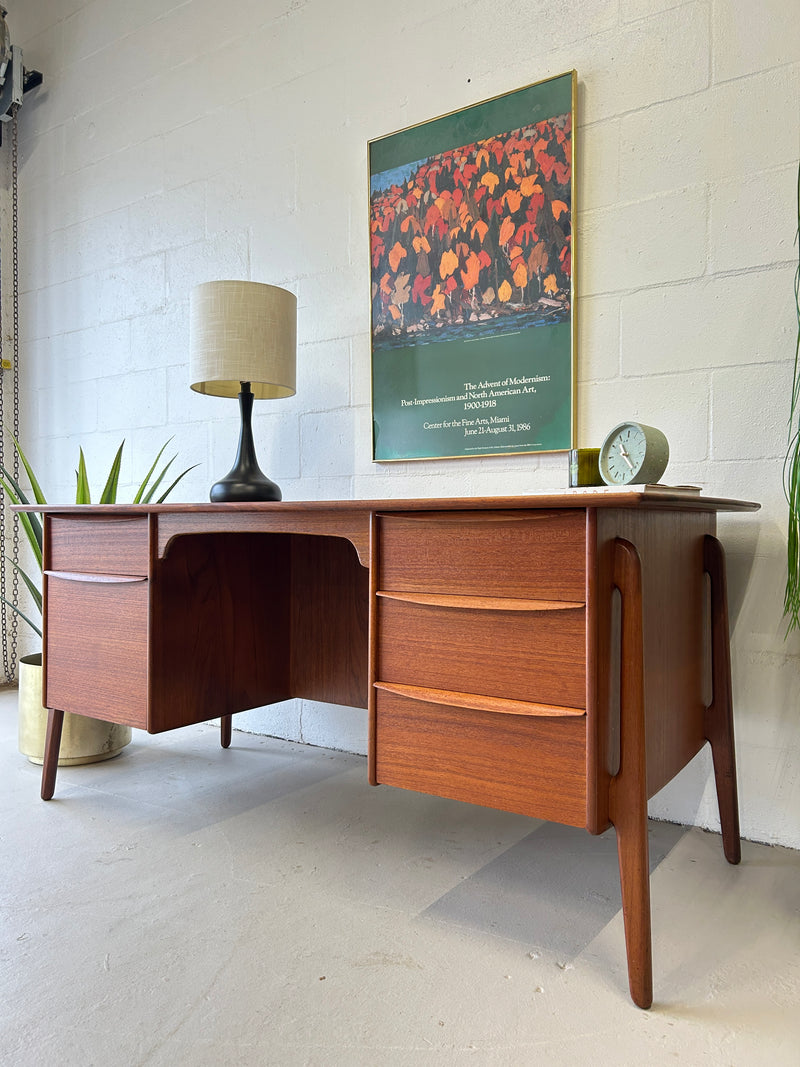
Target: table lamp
{"points": [[243, 342]]}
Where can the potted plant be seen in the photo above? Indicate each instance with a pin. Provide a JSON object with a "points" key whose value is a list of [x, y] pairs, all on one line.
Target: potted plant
{"points": [[84, 740]]}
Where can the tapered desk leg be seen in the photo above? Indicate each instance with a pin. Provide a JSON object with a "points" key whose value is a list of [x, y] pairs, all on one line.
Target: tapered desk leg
{"points": [[52, 746], [719, 713], [225, 730], [628, 790]]}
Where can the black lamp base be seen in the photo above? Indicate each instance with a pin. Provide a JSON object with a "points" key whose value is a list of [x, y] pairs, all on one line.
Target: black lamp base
{"points": [[245, 482], [239, 486]]}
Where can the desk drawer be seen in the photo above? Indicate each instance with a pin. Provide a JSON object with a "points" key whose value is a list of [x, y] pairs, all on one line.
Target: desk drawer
{"points": [[528, 764], [99, 545], [96, 649], [526, 654], [508, 553]]}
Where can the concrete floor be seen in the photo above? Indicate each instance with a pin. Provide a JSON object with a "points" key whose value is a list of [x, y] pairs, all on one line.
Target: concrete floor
{"points": [[186, 905]]}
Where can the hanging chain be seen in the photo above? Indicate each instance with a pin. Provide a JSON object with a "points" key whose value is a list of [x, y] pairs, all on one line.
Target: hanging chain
{"points": [[9, 618], [15, 357], [4, 613]]}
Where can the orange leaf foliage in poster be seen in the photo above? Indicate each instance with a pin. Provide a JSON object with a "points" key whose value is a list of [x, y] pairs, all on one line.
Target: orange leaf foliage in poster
{"points": [[448, 263], [434, 223], [396, 255], [481, 228], [559, 207], [513, 200], [506, 231], [490, 180], [547, 163], [528, 185], [470, 275], [412, 222], [493, 218]]}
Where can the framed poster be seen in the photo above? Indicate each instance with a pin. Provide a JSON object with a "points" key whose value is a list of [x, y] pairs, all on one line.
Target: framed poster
{"points": [[472, 293]]}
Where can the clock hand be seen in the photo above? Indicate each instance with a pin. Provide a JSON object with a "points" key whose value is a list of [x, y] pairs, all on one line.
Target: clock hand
{"points": [[624, 455]]}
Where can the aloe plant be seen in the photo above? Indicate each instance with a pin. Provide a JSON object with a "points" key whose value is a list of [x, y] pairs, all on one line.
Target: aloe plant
{"points": [[32, 524], [791, 467]]}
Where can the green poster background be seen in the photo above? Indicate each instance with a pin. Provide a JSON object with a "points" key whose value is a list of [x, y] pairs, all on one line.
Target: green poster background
{"points": [[502, 393], [502, 113], [449, 399]]}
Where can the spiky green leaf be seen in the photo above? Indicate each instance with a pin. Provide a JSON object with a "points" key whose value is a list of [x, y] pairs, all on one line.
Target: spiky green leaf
{"points": [[109, 494], [29, 582], [38, 495], [83, 494], [165, 494], [151, 492], [141, 491], [30, 521], [22, 615]]}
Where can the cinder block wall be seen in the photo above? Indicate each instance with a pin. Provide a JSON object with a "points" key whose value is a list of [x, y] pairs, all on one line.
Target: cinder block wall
{"points": [[176, 142]]}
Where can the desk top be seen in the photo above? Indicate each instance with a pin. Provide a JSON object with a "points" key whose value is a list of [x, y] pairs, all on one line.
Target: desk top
{"points": [[640, 496]]}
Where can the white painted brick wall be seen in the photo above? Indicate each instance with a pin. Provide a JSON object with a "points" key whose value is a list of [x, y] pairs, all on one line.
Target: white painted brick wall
{"points": [[175, 142]]}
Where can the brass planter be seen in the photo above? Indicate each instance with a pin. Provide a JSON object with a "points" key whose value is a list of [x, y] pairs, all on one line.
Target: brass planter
{"points": [[83, 740]]}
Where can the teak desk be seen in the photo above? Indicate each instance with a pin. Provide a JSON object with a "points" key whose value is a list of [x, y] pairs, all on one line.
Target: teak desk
{"points": [[562, 656]]}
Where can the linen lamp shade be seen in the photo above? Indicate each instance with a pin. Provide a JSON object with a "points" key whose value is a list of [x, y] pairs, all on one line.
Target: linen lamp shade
{"points": [[243, 332]]}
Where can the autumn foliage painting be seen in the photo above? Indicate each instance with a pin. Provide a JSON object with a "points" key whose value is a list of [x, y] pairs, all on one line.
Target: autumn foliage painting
{"points": [[471, 260], [478, 234]]}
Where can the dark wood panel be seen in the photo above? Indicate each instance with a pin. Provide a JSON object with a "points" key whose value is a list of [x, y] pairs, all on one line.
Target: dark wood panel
{"points": [[329, 621], [96, 649], [535, 766], [675, 635], [220, 627], [535, 656], [97, 544], [539, 554]]}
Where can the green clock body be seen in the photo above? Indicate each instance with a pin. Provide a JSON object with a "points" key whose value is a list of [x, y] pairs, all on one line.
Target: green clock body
{"points": [[633, 454]]}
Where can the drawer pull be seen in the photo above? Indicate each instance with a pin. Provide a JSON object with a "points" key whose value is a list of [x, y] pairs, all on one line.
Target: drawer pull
{"points": [[480, 703], [483, 603], [111, 579]]}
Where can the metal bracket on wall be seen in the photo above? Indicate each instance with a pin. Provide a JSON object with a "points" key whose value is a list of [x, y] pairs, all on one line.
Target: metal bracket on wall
{"points": [[15, 84]]}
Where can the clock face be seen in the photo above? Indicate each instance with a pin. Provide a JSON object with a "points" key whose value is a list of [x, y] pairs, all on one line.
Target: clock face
{"points": [[633, 453]]}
